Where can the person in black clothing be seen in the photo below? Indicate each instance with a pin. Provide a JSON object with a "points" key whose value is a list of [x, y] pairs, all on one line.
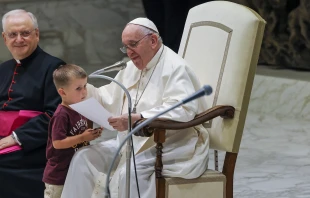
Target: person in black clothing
{"points": [[169, 16], [28, 98]]}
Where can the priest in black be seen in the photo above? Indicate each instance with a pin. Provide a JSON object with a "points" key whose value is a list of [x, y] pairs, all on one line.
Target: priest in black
{"points": [[28, 98]]}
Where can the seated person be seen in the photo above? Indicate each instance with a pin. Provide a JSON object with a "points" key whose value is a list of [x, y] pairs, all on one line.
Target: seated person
{"points": [[156, 78], [67, 131], [28, 99]]}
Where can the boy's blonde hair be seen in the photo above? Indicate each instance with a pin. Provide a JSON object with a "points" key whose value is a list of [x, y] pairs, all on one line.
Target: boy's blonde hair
{"points": [[64, 73]]}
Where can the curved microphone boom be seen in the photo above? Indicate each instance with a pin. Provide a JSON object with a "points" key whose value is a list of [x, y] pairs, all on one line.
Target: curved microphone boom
{"points": [[120, 65], [205, 90], [129, 144]]}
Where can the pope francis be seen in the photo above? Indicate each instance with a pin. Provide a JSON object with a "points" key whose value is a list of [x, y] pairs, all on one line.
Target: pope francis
{"points": [[156, 79]]}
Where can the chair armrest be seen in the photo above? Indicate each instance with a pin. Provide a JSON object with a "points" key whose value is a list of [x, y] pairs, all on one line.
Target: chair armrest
{"points": [[224, 111]]}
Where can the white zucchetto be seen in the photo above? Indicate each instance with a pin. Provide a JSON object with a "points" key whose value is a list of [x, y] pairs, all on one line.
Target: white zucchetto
{"points": [[144, 22]]}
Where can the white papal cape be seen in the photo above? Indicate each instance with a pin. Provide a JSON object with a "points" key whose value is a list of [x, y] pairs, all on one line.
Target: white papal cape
{"points": [[185, 152]]}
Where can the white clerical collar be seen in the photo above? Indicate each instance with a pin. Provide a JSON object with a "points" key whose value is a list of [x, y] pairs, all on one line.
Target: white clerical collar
{"points": [[18, 61], [154, 60]]}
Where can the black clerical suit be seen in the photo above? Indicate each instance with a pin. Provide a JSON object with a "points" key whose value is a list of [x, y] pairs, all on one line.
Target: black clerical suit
{"points": [[27, 86]]}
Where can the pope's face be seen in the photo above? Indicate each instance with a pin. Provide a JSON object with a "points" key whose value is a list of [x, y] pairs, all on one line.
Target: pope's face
{"points": [[20, 36], [139, 46]]}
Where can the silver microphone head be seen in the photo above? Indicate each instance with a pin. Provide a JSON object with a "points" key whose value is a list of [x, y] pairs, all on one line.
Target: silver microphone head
{"points": [[120, 65]]}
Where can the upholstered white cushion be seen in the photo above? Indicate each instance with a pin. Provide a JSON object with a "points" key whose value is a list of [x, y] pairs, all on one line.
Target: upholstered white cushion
{"points": [[211, 184], [221, 41]]}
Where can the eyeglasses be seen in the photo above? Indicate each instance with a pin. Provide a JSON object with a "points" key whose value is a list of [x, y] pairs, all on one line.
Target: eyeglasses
{"points": [[133, 44], [24, 34]]}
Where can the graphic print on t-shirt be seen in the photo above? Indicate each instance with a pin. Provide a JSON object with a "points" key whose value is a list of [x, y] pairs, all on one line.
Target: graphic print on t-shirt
{"points": [[79, 127]]}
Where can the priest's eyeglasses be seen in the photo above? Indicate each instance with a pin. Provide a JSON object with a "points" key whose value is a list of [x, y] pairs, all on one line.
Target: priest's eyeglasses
{"points": [[133, 44], [24, 34]]}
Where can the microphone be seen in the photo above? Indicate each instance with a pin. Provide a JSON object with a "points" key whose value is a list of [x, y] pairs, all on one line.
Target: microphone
{"points": [[120, 65], [129, 143], [205, 90]]}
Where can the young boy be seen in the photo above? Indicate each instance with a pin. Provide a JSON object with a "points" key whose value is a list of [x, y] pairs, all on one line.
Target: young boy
{"points": [[67, 131]]}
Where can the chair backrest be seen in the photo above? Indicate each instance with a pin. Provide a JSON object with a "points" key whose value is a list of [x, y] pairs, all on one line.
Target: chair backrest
{"points": [[221, 41]]}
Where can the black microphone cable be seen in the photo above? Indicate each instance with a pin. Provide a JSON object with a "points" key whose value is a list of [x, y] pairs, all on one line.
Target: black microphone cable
{"points": [[134, 165]]}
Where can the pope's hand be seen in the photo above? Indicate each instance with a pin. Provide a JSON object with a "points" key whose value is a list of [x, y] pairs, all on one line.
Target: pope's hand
{"points": [[7, 142], [120, 123]]}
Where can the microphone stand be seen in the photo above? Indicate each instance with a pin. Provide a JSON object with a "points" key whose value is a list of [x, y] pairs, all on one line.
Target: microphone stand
{"points": [[129, 142], [206, 90]]}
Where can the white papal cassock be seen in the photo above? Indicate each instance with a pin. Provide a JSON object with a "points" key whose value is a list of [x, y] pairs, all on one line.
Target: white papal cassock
{"points": [[185, 152]]}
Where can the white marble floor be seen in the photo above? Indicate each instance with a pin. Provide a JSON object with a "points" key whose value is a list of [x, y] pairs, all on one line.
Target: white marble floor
{"points": [[274, 159]]}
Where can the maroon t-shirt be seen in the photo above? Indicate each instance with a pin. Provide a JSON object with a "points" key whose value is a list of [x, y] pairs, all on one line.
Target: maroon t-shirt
{"points": [[65, 122]]}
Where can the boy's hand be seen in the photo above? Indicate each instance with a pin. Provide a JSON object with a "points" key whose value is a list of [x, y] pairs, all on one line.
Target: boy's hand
{"points": [[98, 130], [91, 134]]}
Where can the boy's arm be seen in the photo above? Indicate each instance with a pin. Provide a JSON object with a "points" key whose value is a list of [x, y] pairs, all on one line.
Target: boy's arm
{"points": [[68, 142], [87, 135]]}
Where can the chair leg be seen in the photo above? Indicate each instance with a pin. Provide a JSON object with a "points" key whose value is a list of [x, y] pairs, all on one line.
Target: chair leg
{"points": [[160, 188], [228, 171], [159, 138]]}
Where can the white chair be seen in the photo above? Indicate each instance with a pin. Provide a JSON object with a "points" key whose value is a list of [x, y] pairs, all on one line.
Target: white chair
{"points": [[221, 41]]}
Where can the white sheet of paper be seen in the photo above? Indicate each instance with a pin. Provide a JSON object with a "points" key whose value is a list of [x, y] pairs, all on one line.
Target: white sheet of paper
{"points": [[94, 111]]}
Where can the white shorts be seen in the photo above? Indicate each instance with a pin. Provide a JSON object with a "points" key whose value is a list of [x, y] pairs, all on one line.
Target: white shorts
{"points": [[53, 191]]}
